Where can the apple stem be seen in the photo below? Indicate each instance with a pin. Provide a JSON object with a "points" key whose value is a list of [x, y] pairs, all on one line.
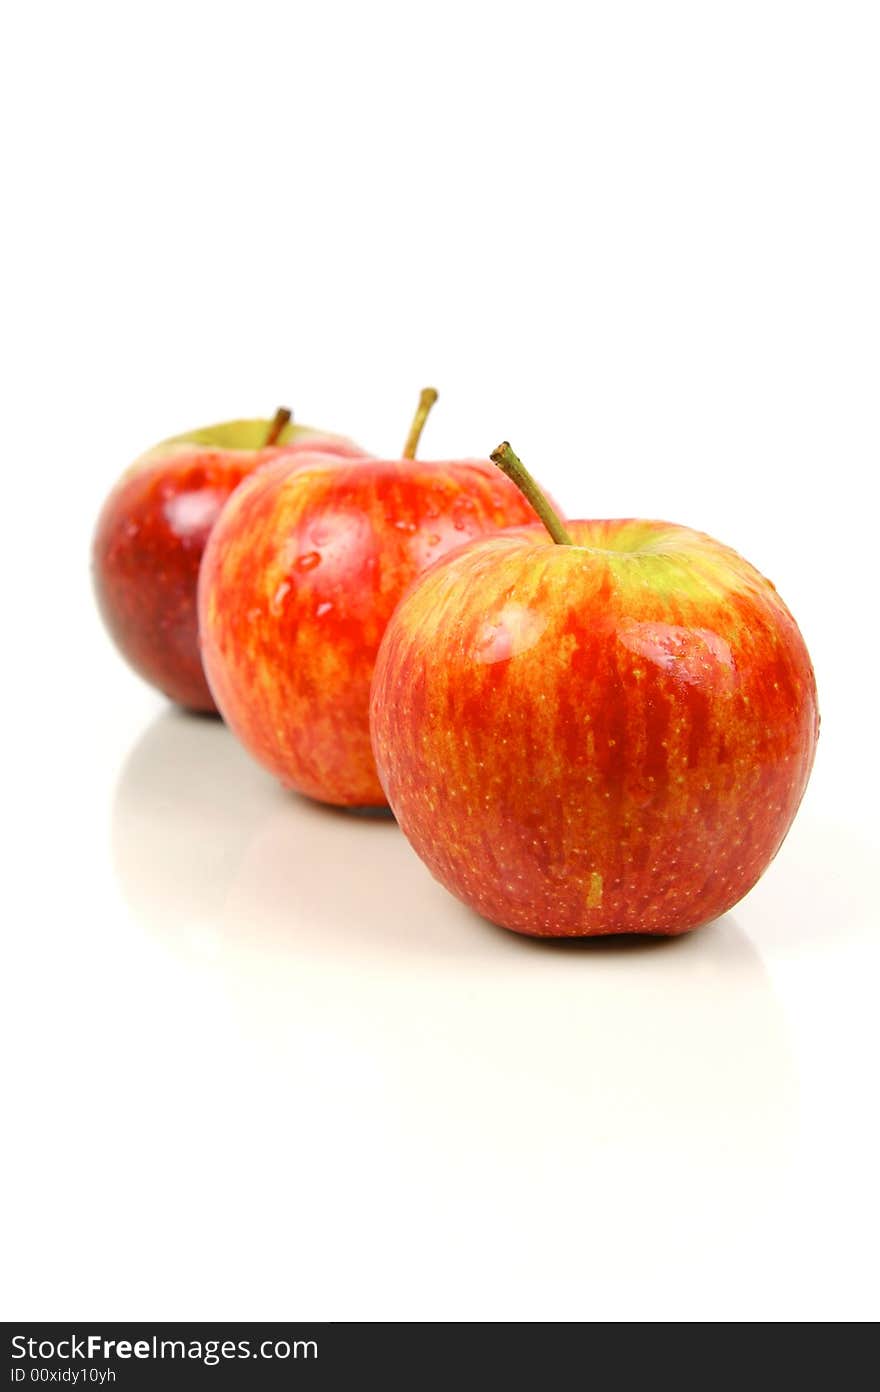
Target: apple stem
{"points": [[517, 472], [426, 401], [279, 421]]}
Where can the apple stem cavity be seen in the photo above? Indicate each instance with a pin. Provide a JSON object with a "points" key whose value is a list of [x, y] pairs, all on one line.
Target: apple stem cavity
{"points": [[426, 401], [281, 418], [511, 465]]}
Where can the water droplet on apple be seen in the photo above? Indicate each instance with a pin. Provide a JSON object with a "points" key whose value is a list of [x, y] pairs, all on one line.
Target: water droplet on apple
{"points": [[308, 560], [324, 608], [279, 597], [514, 631]]}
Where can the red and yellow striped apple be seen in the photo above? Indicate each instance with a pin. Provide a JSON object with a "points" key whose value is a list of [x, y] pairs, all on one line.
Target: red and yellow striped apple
{"points": [[300, 577], [152, 531], [604, 730]]}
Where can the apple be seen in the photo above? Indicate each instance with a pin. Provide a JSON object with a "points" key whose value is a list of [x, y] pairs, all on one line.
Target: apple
{"points": [[300, 577], [604, 730], [152, 531]]}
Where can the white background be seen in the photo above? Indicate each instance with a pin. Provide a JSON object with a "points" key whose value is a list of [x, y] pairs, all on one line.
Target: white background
{"points": [[258, 1064]]}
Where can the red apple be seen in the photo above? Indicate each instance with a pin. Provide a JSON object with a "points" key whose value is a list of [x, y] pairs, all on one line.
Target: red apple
{"points": [[609, 732], [152, 531], [299, 579]]}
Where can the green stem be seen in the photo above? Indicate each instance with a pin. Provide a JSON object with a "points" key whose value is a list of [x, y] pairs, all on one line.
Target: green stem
{"points": [[517, 472], [279, 421], [426, 401]]}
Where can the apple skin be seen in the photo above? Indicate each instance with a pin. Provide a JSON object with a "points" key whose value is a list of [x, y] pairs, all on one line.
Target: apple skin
{"points": [[299, 579], [151, 534], [610, 737]]}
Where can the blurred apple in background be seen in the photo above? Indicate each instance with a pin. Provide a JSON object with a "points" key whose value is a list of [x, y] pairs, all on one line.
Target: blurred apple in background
{"points": [[300, 577], [604, 730], [152, 532]]}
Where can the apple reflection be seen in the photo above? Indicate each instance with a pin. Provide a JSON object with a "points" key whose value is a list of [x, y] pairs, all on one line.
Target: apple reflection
{"points": [[518, 1067]]}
